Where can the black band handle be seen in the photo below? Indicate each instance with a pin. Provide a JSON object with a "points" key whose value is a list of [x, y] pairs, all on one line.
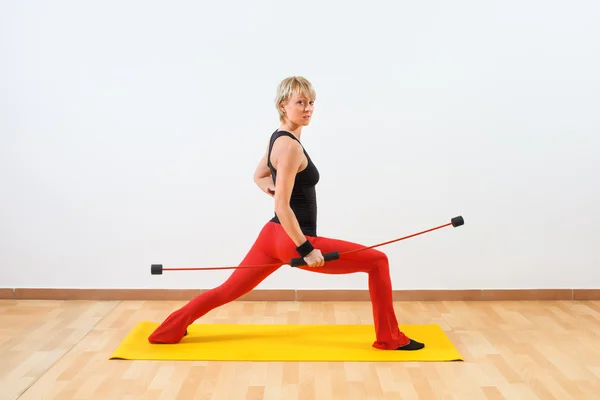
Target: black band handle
{"points": [[297, 262], [156, 269]]}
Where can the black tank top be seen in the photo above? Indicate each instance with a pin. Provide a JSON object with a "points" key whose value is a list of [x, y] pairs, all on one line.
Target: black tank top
{"points": [[303, 200]]}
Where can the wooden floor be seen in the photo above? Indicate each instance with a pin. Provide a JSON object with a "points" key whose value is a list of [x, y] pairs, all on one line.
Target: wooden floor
{"points": [[512, 350]]}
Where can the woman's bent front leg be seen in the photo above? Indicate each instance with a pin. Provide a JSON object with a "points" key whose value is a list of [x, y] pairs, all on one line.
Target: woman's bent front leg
{"points": [[375, 263]]}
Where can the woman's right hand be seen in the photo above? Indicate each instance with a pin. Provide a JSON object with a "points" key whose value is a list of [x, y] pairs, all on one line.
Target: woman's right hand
{"points": [[315, 258]]}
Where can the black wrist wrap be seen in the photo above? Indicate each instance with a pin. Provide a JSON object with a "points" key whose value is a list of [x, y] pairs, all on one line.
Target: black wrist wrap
{"points": [[305, 248]]}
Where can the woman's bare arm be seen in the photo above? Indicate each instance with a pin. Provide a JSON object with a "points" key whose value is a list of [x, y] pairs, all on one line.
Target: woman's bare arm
{"points": [[262, 176], [289, 156], [262, 169]]}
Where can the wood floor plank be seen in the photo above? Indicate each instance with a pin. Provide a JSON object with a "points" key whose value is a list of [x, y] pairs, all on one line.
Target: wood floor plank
{"points": [[37, 334], [512, 350]]}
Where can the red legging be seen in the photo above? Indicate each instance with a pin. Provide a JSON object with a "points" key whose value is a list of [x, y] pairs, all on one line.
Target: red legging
{"points": [[274, 246]]}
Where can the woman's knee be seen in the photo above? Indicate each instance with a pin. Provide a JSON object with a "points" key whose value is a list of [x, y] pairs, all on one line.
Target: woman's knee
{"points": [[381, 257]]}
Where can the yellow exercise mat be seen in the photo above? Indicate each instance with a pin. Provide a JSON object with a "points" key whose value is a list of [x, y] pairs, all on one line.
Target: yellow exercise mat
{"points": [[267, 342]]}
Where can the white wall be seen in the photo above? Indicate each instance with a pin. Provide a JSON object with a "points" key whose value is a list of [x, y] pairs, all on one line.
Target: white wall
{"points": [[129, 132]]}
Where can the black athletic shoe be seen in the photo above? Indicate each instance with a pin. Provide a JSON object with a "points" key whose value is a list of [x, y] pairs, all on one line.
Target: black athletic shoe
{"points": [[412, 345]]}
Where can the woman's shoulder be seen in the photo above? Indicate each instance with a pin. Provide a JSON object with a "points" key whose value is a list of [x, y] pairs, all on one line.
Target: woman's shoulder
{"points": [[285, 139], [286, 145], [279, 133]]}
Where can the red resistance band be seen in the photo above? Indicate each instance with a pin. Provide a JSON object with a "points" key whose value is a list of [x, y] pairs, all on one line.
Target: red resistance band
{"points": [[456, 221]]}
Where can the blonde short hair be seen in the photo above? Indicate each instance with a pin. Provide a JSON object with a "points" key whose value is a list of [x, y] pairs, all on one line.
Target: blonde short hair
{"points": [[290, 86]]}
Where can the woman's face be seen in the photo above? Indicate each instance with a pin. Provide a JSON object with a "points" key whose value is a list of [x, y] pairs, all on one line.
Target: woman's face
{"points": [[298, 109]]}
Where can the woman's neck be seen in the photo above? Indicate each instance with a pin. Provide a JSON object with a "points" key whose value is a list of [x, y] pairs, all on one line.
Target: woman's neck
{"points": [[294, 130]]}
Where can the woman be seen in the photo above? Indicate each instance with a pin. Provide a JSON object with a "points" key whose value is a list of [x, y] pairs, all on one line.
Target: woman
{"points": [[287, 173]]}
